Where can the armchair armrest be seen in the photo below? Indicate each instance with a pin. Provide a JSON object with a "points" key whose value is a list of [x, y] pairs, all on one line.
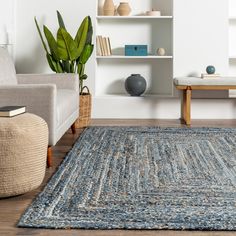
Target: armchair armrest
{"points": [[38, 99], [62, 81]]}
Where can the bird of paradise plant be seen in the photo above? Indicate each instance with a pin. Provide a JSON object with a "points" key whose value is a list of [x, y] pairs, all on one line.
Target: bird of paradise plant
{"points": [[66, 54]]}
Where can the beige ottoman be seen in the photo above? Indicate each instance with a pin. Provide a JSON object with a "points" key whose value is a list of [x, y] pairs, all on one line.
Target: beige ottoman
{"points": [[23, 153]]}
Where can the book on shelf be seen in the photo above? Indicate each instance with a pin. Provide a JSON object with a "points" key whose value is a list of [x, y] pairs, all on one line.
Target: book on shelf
{"points": [[9, 111], [100, 45], [103, 46], [210, 76], [99, 52], [109, 45]]}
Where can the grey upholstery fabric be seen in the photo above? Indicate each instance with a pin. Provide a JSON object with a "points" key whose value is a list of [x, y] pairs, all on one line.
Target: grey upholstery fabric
{"points": [[66, 107], [199, 81], [7, 69], [53, 97], [64, 81]]}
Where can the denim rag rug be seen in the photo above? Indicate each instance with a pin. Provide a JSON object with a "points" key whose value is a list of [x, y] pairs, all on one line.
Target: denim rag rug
{"points": [[142, 178]]}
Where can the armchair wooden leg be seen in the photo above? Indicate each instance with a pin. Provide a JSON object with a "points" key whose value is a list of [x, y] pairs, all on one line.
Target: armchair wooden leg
{"points": [[49, 157], [73, 129]]}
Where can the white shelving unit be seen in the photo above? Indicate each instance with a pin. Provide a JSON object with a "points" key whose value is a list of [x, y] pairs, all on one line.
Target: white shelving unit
{"points": [[154, 31], [134, 57], [232, 37], [232, 40], [132, 17]]}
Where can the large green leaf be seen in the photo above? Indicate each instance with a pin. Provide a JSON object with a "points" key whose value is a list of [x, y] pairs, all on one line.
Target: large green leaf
{"points": [[52, 63], [87, 52], [72, 67], [41, 36], [66, 66], [51, 43], [59, 67], [90, 32], [81, 35], [60, 20], [66, 46]]}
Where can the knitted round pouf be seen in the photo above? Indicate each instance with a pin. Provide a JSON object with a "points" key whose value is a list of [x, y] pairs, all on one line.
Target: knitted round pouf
{"points": [[23, 153]]}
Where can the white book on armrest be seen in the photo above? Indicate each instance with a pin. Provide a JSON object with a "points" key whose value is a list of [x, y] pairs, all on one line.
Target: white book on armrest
{"points": [[9, 111]]}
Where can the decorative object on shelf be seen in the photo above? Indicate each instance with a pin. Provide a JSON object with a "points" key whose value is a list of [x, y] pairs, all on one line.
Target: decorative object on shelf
{"points": [[135, 85], [124, 9], [108, 8], [153, 13], [136, 50], [68, 55], [161, 51], [210, 69]]}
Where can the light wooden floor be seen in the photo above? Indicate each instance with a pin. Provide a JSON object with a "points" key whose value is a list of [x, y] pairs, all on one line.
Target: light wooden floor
{"points": [[12, 208]]}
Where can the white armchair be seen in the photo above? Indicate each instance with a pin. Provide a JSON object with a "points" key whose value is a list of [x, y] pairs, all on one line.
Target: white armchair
{"points": [[54, 97]]}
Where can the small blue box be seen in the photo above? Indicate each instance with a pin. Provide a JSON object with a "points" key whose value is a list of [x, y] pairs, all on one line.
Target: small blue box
{"points": [[135, 50]]}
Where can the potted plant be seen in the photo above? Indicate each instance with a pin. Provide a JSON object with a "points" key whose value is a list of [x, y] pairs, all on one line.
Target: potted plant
{"points": [[66, 54]]}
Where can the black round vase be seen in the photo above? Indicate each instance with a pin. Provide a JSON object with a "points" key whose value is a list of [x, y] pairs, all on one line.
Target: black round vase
{"points": [[135, 85]]}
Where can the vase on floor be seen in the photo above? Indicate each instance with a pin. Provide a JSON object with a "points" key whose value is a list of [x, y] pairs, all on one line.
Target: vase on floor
{"points": [[108, 8]]}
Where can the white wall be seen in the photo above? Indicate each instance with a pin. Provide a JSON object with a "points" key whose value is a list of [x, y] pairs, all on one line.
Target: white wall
{"points": [[201, 36], [7, 23], [201, 39], [194, 49]]}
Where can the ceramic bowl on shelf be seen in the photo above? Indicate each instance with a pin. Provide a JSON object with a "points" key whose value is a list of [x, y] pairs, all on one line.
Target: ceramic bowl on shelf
{"points": [[153, 13]]}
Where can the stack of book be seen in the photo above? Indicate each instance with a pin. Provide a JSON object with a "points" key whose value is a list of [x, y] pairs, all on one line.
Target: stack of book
{"points": [[103, 46], [10, 111], [210, 76]]}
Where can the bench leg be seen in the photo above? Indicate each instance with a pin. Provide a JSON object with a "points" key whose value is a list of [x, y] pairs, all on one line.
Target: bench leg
{"points": [[186, 106]]}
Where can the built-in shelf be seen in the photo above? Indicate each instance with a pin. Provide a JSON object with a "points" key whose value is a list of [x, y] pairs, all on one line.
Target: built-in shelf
{"points": [[145, 96], [232, 57], [133, 17], [232, 18], [153, 31], [134, 57]]}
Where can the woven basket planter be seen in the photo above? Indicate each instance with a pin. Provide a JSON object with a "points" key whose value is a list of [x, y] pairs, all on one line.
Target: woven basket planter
{"points": [[85, 106]]}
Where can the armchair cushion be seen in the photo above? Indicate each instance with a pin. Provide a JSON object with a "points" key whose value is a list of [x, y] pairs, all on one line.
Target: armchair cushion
{"points": [[67, 104], [7, 68]]}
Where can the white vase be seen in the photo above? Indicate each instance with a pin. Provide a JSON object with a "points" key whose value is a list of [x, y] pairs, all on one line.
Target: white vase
{"points": [[108, 8]]}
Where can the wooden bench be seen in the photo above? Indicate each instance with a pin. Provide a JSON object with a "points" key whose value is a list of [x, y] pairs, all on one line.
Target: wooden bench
{"points": [[188, 84]]}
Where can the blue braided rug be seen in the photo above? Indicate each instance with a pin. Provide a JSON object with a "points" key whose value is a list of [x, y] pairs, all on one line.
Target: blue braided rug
{"points": [[142, 178]]}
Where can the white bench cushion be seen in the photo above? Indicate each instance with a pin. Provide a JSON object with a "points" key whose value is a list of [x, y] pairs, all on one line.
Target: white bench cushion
{"points": [[191, 81]]}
